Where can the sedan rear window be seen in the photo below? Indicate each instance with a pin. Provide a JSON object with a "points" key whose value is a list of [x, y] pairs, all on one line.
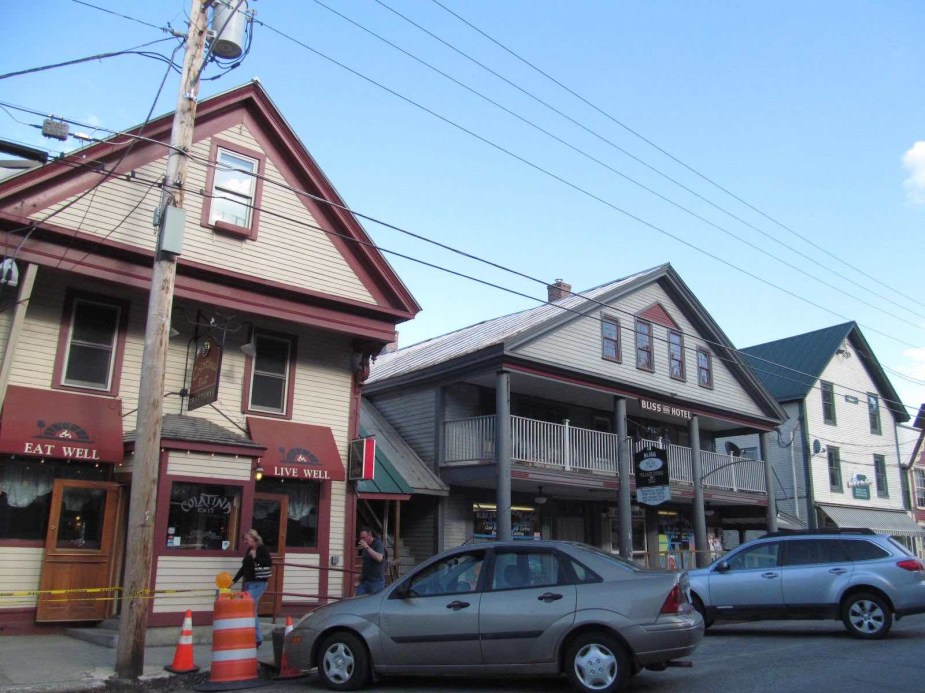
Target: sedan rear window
{"points": [[861, 550]]}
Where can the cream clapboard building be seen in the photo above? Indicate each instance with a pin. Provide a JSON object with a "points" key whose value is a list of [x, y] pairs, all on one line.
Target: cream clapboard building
{"points": [[837, 459], [267, 265], [552, 393]]}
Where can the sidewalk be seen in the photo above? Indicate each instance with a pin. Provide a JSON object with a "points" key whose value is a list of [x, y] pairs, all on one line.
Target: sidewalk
{"points": [[63, 663]]}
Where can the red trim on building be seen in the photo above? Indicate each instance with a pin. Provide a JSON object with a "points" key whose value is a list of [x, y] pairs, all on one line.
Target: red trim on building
{"points": [[656, 313], [61, 425], [297, 451]]}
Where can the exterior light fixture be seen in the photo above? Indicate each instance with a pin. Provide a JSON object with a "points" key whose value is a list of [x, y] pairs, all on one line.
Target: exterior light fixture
{"points": [[539, 498], [258, 472], [250, 349]]}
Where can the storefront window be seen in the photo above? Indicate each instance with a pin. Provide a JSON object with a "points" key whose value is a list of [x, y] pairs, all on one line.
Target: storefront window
{"points": [[203, 516], [25, 493], [302, 511]]}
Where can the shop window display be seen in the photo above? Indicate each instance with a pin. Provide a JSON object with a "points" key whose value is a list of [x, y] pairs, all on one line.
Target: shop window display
{"points": [[25, 494], [203, 516], [302, 514]]}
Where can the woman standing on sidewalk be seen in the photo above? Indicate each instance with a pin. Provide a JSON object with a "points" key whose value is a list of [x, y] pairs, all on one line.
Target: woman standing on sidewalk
{"points": [[256, 570]]}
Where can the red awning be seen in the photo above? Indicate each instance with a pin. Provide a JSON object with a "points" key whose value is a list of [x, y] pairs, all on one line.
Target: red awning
{"points": [[297, 451], [61, 425]]}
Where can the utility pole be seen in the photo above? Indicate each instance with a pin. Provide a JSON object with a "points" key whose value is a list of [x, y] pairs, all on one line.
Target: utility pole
{"points": [[140, 536]]}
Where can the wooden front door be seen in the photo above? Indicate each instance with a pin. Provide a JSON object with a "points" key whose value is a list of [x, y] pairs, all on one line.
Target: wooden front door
{"points": [[80, 551], [271, 513]]}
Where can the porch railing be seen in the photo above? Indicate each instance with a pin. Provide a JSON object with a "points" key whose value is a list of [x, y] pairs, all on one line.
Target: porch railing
{"points": [[570, 448]]}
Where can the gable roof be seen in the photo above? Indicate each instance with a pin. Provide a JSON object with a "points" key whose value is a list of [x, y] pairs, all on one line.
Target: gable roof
{"points": [[509, 331], [42, 187], [790, 367], [503, 330]]}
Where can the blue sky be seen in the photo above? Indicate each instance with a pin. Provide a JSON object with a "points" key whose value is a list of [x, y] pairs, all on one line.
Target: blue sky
{"points": [[811, 113]]}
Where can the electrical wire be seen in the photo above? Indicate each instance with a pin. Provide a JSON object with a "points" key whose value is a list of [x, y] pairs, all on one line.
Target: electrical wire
{"points": [[581, 190], [671, 156], [629, 178], [168, 29], [441, 245], [99, 56]]}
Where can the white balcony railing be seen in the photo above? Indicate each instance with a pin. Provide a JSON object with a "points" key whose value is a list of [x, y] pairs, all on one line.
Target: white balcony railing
{"points": [[566, 447]]}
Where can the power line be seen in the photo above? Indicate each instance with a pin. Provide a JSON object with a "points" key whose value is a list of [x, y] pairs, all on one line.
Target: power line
{"points": [[167, 29], [207, 163], [628, 178], [578, 188], [99, 56], [671, 156]]}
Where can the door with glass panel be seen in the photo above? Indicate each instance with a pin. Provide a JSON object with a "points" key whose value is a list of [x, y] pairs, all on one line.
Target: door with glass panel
{"points": [[80, 552], [270, 519]]}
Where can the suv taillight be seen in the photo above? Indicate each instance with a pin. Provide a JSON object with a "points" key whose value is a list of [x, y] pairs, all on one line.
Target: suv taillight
{"points": [[912, 564], [675, 601]]}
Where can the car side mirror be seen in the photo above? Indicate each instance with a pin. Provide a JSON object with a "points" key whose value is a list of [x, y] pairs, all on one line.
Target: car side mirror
{"points": [[722, 567]]}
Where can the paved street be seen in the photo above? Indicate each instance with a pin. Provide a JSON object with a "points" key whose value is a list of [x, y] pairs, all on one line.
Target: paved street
{"points": [[815, 657]]}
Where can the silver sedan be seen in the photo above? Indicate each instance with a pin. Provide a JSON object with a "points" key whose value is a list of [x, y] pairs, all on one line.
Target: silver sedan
{"points": [[508, 608]]}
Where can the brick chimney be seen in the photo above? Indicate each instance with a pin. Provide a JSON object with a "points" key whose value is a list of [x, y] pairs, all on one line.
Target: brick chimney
{"points": [[558, 291]]}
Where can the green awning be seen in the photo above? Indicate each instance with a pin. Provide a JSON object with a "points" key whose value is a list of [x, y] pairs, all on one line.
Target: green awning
{"points": [[387, 482]]}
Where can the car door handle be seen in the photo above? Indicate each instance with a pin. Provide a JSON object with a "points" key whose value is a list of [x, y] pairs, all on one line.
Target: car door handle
{"points": [[457, 605], [549, 597], [769, 576], [838, 571]]}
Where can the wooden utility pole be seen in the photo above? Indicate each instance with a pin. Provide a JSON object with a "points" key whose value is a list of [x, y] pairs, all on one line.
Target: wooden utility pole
{"points": [[140, 537]]}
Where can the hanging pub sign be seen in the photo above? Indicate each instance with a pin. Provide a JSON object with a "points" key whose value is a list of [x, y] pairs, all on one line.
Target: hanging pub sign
{"points": [[362, 463], [652, 483], [207, 367]]}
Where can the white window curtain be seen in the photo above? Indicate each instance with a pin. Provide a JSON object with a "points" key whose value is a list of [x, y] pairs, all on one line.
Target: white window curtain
{"points": [[24, 483]]}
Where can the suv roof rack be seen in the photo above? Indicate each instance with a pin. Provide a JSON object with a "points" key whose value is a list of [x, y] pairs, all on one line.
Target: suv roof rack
{"points": [[820, 530]]}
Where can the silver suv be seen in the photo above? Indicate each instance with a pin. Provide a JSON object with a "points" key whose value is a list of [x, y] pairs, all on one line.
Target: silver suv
{"points": [[862, 578]]}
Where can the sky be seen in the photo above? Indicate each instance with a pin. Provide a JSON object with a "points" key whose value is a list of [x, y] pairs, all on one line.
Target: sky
{"points": [[773, 153]]}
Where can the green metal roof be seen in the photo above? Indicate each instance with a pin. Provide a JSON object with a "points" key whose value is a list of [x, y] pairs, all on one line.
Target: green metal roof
{"points": [[387, 479], [790, 367]]}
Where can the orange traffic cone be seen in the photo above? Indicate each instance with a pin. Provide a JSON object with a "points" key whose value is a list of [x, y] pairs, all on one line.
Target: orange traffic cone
{"points": [[183, 659], [285, 671]]}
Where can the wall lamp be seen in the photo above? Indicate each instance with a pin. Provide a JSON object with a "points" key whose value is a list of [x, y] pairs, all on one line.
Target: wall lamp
{"points": [[250, 349], [540, 498], [258, 471]]}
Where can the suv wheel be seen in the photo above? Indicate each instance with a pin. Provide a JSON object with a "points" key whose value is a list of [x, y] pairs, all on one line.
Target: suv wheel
{"points": [[866, 615]]}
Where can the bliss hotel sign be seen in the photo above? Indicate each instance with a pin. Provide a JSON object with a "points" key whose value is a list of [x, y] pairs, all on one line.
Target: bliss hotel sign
{"points": [[651, 406]]}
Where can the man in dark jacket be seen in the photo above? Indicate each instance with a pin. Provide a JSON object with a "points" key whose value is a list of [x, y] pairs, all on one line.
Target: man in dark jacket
{"points": [[372, 578]]}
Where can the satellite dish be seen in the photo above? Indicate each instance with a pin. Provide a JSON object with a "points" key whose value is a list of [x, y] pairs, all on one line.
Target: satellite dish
{"points": [[733, 449], [817, 447]]}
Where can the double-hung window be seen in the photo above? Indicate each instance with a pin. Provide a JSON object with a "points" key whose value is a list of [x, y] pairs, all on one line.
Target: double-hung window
{"points": [[873, 413], [271, 374], [704, 368], [834, 459], [91, 344], [883, 491], [235, 185], [644, 345], [610, 338], [676, 355], [828, 402], [919, 475]]}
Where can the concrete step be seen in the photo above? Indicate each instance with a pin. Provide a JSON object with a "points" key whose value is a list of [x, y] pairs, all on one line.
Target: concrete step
{"points": [[106, 634]]}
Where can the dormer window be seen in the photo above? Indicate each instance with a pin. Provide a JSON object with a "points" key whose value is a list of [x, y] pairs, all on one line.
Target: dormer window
{"points": [[234, 189]]}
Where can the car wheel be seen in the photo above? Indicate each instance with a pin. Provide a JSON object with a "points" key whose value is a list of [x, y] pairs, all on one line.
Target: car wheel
{"points": [[702, 610], [867, 616], [597, 662], [343, 663]]}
